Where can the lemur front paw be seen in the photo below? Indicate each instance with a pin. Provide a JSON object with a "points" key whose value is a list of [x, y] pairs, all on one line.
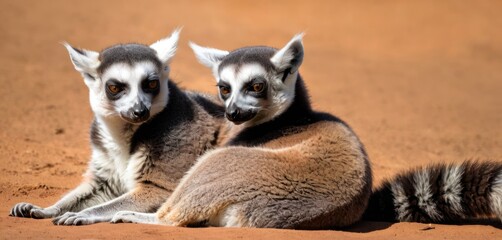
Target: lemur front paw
{"points": [[76, 219], [124, 217], [134, 217], [29, 210]]}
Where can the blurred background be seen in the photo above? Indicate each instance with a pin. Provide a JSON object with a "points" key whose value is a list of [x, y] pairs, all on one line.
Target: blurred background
{"points": [[419, 81]]}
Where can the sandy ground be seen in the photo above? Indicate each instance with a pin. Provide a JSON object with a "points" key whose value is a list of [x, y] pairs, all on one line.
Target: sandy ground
{"points": [[419, 81]]}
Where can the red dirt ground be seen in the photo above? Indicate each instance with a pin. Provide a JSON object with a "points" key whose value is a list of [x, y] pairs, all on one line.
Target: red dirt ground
{"points": [[419, 81]]}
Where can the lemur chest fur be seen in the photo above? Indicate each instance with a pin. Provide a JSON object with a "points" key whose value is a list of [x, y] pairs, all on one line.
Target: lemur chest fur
{"points": [[112, 158]]}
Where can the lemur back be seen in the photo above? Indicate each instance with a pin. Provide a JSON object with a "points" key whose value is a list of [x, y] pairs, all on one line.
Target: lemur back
{"points": [[146, 134], [285, 165], [322, 170]]}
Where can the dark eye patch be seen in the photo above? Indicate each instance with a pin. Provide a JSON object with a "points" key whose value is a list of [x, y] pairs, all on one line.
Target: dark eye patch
{"points": [[151, 84], [249, 87], [224, 89], [119, 89]]}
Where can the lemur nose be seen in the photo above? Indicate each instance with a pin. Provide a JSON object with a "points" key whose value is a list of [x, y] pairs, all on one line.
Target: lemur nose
{"points": [[235, 113], [238, 115], [141, 112]]}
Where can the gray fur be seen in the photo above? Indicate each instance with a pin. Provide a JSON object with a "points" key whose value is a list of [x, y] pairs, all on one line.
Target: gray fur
{"points": [[423, 193], [260, 55], [127, 53], [134, 166], [297, 169]]}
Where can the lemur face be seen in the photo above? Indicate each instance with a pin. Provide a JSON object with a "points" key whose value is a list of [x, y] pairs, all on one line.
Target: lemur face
{"points": [[257, 84], [245, 90], [129, 81], [133, 92]]}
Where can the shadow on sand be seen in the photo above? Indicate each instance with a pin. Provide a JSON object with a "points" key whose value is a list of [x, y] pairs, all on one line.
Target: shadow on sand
{"points": [[369, 226]]}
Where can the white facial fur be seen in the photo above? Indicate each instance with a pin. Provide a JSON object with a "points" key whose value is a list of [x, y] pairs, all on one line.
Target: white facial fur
{"points": [[87, 63], [280, 93], [133, 77], [237, 81]]}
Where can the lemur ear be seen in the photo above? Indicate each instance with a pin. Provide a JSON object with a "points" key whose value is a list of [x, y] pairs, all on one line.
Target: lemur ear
{"points": [[84, 61], [289, 57], [209, 57], [166, 48]]}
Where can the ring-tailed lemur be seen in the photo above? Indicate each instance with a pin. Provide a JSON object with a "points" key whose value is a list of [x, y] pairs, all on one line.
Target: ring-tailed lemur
{"points": [[146, 133], [290, 167], [285, 166]]}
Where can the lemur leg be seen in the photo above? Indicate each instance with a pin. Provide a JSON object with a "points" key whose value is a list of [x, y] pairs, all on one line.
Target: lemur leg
{"points": [[144, 198], [89, 193], [219, 179]]}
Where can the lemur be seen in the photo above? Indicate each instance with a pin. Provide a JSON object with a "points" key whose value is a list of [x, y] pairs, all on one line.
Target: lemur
{"points": [[288, 166], [146, 133], [284, 166]]}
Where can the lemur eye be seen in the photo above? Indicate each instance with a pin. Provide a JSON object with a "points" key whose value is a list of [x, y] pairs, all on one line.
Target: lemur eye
{"points": [[153, 84], [224, 90], [114, 89], [258, 87]]}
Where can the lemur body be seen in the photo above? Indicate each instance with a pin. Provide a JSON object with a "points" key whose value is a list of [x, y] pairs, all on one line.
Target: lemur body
{"points": [[146, 134], [287, 166]]}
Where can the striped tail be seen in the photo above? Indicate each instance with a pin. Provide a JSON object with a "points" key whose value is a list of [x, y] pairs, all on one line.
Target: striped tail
{"points": [[440, 194]]}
